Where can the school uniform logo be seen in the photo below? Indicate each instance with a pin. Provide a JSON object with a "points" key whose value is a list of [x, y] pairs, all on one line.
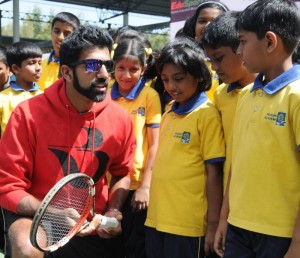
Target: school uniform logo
{"points": [[141, 111], [186, 137], [281, 119]]}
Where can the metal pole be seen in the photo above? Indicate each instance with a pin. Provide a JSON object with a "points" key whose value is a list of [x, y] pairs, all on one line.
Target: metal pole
{"points": [[1, 26], [125, 19], [16, 25]]}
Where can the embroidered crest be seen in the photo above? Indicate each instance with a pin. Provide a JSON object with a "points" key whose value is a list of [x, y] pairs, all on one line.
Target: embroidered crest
{"points": [[141, 111], [281, 119], [186, 137]]}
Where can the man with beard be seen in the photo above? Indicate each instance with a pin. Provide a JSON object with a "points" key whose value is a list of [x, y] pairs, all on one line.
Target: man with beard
{"points": [[72, 127]]}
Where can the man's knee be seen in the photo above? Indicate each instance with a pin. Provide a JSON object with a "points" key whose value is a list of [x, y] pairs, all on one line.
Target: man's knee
{"points": [[20, 244]]}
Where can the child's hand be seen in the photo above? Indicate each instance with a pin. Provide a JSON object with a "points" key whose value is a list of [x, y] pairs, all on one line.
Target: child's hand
{"points": [[294, 250], [209, 238], [140, 199], [219, 243]]}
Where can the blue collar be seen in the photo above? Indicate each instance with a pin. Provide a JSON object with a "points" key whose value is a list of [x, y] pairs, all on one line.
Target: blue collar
{"points": [[16, 87], [189, 106], [278, 83], [52, 58], [233, 86], [132, 94]]}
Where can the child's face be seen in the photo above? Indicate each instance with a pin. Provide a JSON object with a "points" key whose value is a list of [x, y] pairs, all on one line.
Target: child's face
{"points": [[205, 16], [30, 70], [128, 71], [227, 64], [4, 73], [59, 31], [253, 51], [178, 83]]}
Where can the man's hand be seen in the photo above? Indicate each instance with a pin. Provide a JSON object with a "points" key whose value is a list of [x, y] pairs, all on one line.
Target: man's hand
{"points": [[111, 232]]}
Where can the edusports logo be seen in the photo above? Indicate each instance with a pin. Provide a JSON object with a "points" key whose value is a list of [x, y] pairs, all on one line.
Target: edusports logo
{"points": [[279, 118], [184, 137]]}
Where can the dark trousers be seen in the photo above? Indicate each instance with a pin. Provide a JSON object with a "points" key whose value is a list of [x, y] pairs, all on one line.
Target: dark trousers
{"points": [[241, 243], [131, 243], [78, 247], [165, 245]]}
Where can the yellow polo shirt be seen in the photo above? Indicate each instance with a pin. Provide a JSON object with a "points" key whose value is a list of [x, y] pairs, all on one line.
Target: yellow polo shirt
{"points": [[264, 192], [50, 68], [10, 98], [143, 105], [190, 136], [225, 100]]}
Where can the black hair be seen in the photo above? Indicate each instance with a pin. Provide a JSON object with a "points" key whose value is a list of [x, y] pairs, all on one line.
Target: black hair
{"points": [[130, 47], [190, 24], [66, 17], [187, 54], [18, 52], [85, 37], [296, 55], [133, 34], [121, 30], [279, 16], [221, 32], [133, 47], [3, 58]]}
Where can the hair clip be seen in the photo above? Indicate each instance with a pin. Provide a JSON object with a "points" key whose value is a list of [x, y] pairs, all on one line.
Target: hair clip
{"points": [[148, 51]]}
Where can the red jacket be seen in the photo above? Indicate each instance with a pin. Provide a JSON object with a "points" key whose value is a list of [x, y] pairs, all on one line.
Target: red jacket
{"points": [[46, 139]]}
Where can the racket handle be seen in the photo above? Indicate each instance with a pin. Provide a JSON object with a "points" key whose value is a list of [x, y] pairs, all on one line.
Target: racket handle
{"points": [[108, 222]]}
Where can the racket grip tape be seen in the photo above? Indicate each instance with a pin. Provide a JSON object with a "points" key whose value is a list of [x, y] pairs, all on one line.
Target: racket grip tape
{"points": [[109, 222]]}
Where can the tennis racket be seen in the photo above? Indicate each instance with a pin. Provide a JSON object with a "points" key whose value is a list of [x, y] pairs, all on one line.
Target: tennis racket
{"points": [[64, 211]]}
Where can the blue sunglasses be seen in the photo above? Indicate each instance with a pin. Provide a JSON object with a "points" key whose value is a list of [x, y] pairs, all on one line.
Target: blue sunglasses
{"points": [[94, 65]]}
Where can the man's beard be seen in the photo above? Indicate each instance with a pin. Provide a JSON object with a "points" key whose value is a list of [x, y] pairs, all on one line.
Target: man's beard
{"points": [[89, 92]]}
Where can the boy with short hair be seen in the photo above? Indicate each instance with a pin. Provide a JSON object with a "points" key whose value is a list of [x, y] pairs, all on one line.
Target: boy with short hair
{"points": [[264, 194], [24, 60], [4, 69], [62, 25], [220, 41]]}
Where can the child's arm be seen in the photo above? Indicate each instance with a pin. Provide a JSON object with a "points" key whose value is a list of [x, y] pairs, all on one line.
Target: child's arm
{"points": [[214, 199], [294, 249], [140, 198], [219, 244]]}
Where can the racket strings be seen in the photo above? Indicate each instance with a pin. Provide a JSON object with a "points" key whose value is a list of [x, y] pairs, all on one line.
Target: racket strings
{"points": [[66, 209]]}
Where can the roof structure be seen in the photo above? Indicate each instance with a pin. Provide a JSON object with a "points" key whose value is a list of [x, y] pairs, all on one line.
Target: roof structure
{"points": [[149, 7]]}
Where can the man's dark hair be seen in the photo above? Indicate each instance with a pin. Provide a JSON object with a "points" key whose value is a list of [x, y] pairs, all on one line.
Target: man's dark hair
{"points": [[83, 38]]}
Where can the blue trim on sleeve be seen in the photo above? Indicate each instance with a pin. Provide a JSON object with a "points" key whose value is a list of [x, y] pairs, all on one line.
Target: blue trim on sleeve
{"points": [[16, 87], [134, 93], [190, 105], [215, 160], [278, 83], [153, 125]]}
